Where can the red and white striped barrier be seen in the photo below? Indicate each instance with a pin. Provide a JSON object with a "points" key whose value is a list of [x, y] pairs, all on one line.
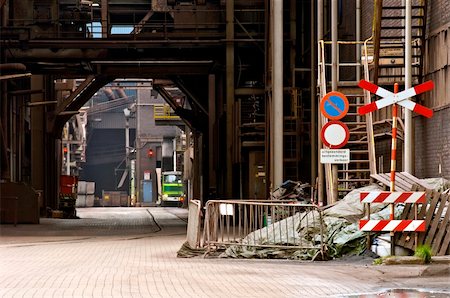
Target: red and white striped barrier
{"points": [[393, 197], [386, 225], [389, 98]]}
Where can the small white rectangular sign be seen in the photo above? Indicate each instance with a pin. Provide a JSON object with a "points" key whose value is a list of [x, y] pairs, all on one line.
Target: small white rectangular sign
{"points": [[334, 155]]}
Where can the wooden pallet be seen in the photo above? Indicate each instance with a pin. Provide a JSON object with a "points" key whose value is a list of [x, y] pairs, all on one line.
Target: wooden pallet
{"points": [[403, 181], [437, 220]]}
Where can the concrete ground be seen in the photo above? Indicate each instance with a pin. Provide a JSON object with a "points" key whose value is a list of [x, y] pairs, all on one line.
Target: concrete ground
{"points": [[131, 252]]}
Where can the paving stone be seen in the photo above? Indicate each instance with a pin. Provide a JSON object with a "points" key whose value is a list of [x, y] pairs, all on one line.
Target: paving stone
{"points": [[131, 252]]}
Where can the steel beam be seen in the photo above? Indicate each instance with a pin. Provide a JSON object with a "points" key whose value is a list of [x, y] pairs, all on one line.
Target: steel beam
{"points": [[229, 96], [211, 131]]}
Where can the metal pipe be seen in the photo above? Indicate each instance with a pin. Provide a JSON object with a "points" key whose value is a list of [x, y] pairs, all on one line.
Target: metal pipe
{"points": [[334, 82], [313, 102], [358, 39], [277, 69], [320, 167], [409, 146], [68, 152], [334, 45], [13, 67]]}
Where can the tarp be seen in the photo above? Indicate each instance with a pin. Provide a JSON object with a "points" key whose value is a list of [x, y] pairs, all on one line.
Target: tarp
{"points": [[341, 231]]}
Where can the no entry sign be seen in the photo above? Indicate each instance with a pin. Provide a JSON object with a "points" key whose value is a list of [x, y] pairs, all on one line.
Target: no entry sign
{"points": [[335, 134], [334, 105]]}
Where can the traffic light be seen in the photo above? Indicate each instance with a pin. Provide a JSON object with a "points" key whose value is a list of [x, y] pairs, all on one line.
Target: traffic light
{"points": [[150, 153]]}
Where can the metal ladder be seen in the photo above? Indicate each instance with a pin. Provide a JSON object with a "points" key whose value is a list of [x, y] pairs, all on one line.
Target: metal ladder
{"points": [[361, 143], [389, 41]]}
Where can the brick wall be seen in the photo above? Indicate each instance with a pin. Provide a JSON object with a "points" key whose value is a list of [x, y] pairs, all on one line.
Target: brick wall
{"points": [[432, 154], [438, 14], [432, 136]]}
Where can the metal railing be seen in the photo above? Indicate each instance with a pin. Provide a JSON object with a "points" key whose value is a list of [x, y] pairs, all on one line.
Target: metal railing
{"points": [[268, 224], [164, 112], [185, 23]]}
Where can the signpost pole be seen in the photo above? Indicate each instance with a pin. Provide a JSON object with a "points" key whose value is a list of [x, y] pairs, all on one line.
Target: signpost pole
{"points": [[393, 163]]}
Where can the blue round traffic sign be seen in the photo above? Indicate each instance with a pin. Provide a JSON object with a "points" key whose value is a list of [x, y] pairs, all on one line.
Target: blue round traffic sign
{"points": [[334, 105]]}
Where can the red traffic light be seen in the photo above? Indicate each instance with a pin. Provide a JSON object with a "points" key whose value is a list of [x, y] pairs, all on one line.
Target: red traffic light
{"points": [[150, 153]]}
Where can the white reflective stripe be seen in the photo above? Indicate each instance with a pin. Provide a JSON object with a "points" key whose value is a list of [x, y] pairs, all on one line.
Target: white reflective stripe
{"points": [[406, 103], [384, 102], [413, 225], [371, 197], [392, 197], [370, 225], [414, 197], [406, 94], [391, 225], [383, 92]]}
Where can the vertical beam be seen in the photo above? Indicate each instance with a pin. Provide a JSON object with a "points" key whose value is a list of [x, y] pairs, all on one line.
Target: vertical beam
{"points": [[104, 18], [409, 146], [138, 146], [37, 137], [358, 39], [277, 91], [321, 172], [334, 82], [229, 94], [313, 100], [211, 137]]}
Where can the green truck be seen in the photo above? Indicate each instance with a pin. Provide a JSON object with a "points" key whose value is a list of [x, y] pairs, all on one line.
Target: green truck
{"points": [[172, 189]]}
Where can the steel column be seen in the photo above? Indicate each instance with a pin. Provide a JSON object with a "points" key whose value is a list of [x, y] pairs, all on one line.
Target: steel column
{"points": [[212, 133], [321, 172], [277, 91], [334, 83], [229, 95], [37, 137], [409, 146], [313, 100]]}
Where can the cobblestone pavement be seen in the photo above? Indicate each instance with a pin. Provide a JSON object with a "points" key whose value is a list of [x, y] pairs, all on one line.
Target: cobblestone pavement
{"points": [[131, 252]]}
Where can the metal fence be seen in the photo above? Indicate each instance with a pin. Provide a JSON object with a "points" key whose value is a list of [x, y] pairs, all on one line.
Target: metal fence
{"points": [[270, 224]]}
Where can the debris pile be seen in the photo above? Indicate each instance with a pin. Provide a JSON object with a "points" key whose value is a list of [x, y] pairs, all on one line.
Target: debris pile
{"points": [[341, 231]]}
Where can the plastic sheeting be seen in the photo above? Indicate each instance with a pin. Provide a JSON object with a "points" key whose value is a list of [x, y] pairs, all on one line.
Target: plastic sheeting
{"points": [[341, 231]]}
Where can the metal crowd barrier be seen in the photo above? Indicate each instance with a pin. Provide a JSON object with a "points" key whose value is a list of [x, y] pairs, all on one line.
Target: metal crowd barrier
{"points": [[270, 224]]}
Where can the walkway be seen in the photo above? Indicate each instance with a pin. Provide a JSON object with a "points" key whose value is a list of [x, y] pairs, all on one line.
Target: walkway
{"points": [[131, 252]]}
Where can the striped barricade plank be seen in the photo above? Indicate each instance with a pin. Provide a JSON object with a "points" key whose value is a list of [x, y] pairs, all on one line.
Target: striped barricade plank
{"points": [[393, 197], [386, 225]]}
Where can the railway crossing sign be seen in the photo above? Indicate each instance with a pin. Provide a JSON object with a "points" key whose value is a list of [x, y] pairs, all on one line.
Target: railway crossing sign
{"points": [[390, 98], [334, 105], [335, 134]]}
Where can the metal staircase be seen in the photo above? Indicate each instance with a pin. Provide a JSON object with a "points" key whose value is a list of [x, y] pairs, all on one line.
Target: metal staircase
{"points": [[389, 41], [361, 143]]}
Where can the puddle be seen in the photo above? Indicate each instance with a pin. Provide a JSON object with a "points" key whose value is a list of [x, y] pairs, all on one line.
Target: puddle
{"points": [[403, 293]]}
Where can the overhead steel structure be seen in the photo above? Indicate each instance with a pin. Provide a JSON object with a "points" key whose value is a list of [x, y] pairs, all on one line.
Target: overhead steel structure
{"points": [[219, 53]]}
